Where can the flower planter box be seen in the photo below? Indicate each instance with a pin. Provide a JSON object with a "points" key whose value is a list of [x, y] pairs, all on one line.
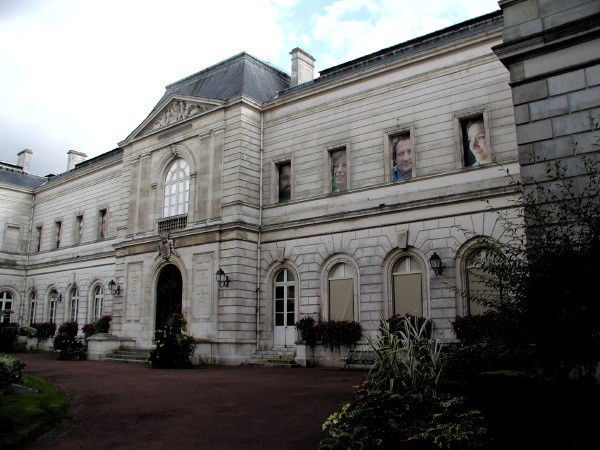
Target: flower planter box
{"points": [[320, 355]]}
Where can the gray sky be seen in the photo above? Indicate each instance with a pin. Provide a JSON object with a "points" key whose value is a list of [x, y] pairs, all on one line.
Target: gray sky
{"points": [[83, 74]]}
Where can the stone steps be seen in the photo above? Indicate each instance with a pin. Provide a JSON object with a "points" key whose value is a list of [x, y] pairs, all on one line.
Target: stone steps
{"points": [[282, 358], [129, 355]]}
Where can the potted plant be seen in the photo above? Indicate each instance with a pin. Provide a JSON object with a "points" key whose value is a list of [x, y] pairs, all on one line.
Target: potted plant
{"points": [[102, 325]]}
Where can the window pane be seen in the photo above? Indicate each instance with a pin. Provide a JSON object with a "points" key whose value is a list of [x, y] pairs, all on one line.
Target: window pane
{"points": [[341, 299], [408, 298], [290, 319], [279, 320], [279, 306], [279, 291]]}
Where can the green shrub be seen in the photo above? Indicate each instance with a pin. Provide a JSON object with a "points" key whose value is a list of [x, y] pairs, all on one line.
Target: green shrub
{"points": [[45, 330], [11, 370], [389, 420], [69, 346], [172, 350], [334, 333], [88, 329], [102, 325], [306, 330]]}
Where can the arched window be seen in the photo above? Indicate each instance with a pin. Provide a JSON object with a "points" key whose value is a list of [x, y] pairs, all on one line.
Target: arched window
{"points": [[285, 308], [32, 307], [53, 306], [73, 304], [6, 301], [408, 292], [480, 284], [341, 292], [98, 302], [177, 189]]}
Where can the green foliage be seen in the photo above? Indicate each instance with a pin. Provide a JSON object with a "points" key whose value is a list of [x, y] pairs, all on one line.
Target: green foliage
{"points": [[45, 330], [408, 360], [385, 420], [88, 329], [102, 325], [397, 322], [11, 370], [306, 328], [332, 334], [177, 322], [69, 346], [172, 350], [545, 266], [25, 417]]}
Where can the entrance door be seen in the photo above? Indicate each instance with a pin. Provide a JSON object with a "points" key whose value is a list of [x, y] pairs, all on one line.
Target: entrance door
{"points": [[285, 309], [168, 295]]}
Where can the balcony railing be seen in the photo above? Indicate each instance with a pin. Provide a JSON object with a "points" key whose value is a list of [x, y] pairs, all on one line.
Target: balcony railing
{"points": [[172, 223]]}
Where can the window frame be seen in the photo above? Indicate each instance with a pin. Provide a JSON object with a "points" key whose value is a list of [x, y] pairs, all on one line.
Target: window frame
{"points": [[388, 152], [325, 286], [7, 296], [276, 170], [328, 167], [186, 180], [78, 229], [57, 234], [460, 119]]}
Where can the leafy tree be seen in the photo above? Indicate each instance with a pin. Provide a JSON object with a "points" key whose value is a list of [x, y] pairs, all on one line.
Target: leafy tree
{"points": [[545, 265]]}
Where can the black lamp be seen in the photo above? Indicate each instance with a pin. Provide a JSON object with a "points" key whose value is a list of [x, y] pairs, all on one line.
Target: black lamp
{"points": [[222, 278], [114, 288], [436, 264]]}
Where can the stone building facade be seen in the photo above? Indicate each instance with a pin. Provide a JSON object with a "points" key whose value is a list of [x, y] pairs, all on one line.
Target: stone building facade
{"points": [[323, 197]]}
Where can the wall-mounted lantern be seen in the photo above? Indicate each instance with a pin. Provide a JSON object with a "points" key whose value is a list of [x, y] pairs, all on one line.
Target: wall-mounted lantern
{"points": [[222, 278], [436, 264]]}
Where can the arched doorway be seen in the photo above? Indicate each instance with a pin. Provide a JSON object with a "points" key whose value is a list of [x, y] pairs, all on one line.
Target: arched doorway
{"points": [[168, 294]]}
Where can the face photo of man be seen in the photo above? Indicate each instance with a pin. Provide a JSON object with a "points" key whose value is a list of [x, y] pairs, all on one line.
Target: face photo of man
{"points": [[402, 156], [478, 151], [285, 182], [339, 170]]}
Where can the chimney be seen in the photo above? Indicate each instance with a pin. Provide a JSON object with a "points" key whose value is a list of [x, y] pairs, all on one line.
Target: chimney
{"points": [[303, 66], [74, 158], [24, 159]]}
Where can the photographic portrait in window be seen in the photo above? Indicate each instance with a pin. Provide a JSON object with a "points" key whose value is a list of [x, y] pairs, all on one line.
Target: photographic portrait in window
{"points": [[402, 158], [339, 170], [285, 181], [476, 149]]}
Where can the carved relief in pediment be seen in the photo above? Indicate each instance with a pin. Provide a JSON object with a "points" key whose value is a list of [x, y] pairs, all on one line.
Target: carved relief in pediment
{"points": [[177, 111]]}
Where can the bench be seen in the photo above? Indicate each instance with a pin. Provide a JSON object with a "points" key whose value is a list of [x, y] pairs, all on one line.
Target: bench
{"points": [[363, 357]]}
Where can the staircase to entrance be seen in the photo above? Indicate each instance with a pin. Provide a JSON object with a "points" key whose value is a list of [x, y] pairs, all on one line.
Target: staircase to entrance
{"points": [[272, 358], [129, 355]]}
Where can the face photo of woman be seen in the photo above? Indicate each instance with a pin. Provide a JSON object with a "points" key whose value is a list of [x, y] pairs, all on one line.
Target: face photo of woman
{"points": [[339, 168], [477, 141]]}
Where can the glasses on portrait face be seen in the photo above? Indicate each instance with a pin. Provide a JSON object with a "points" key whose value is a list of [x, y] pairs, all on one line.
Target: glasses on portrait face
{"points": [[337, 167]]}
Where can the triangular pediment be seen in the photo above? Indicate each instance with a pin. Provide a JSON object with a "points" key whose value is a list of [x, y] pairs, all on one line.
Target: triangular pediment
{"points": [[172, 111]]}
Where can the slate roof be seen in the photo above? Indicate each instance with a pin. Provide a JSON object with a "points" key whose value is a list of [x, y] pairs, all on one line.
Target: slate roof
{"points": [[15, 176], [240, 74]]}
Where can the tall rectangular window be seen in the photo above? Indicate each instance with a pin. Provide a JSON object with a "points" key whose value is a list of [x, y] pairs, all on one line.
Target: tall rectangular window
{"points": [[32, 307], [78, 230], [402, 157], [339, 170], [12, 235], [38, 238], [476, 149], [102, 224], [57, 233], [53, 306], [285, 181]]}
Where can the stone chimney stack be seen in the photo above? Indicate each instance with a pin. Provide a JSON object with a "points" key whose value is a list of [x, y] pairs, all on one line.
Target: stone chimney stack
{"points": [[24, 159], [74, 158], [303, 66]]}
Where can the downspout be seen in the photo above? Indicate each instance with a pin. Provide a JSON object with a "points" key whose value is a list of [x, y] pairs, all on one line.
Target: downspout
{"points": [[27, 251], [258, 245]]}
